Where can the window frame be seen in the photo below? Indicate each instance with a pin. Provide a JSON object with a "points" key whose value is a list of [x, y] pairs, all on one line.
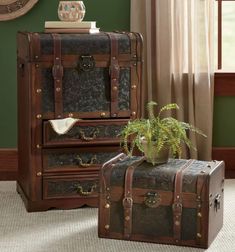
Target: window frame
{"points": [[224, 80], [220, 33]]}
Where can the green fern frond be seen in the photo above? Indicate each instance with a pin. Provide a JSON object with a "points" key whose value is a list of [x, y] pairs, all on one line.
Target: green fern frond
{"points": [[150, 109], [158, 132], [168, 107]]}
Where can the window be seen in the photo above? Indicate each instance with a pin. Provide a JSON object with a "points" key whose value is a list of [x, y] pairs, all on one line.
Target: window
{"points": [[225, 35]]}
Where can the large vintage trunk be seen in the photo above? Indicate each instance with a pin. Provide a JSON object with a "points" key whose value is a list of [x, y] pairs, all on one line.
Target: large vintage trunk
{"points": [[92, 77], [180, 202]]}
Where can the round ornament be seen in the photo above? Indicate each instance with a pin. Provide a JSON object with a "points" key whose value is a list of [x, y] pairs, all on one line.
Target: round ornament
{"points": [[10, 9]]}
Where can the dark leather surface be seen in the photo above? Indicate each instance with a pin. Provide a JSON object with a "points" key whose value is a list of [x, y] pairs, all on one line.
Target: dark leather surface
{"points": [[85, 91], [159, 177], [85, 43]]}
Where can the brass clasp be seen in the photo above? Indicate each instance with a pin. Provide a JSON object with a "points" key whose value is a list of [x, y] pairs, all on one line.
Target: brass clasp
{"points": [[86, 63], [152, 199]]}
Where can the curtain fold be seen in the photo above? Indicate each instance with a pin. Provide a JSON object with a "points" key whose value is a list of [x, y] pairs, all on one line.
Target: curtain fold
{"points": [[178, 50]]}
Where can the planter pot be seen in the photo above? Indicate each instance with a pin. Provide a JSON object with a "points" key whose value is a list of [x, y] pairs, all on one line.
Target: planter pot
{"points": [[152, 155]]}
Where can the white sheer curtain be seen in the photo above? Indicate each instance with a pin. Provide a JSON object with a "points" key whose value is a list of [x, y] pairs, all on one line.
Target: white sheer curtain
{"points": [[178, 49]]}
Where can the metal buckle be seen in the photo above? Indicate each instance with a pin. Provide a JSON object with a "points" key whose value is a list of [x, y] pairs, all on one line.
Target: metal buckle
{"points": [[57, 71], [177, 207], [113, 68], [127, 202]]}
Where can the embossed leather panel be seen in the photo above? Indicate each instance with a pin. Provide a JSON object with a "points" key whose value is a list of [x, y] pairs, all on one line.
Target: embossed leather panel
{"points": [[84, 44], [160, 177], [85, 91]]}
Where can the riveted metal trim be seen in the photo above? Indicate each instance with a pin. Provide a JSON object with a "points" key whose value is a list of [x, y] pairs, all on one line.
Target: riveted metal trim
{"points": [[107, 206], [199, 235], [39, 174]]}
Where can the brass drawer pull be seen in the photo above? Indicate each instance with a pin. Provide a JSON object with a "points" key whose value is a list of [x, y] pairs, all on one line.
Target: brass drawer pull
{"points": [[93, 160], [81, 191], [85, 138]]}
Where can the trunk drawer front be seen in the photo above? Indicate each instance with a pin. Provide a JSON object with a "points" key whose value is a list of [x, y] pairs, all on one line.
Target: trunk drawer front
{"points": [[70, 187], [82, 159], [86, 132]]}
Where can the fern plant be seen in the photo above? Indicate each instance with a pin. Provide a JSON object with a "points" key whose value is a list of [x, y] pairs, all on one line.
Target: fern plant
{"points": [[158, 133]]}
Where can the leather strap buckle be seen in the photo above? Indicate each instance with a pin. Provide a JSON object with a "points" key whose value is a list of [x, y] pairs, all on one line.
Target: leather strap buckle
{"points": [[114, 68], [127, 202], [57, 71], [177, 208]]}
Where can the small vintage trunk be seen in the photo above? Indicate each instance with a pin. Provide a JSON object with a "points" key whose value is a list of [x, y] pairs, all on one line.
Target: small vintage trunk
{"points": [[180, 202], [92, 77]]}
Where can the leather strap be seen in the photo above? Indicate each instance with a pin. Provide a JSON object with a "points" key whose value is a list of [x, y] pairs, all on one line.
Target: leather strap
{"points": [[36, 46], [128, 200], [57, 72], [177, 206], [114, 71]]}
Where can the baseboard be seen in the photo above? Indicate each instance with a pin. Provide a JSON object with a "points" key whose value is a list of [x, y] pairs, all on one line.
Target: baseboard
{"points": [[8, 164], [227, 154], [224, 84]]}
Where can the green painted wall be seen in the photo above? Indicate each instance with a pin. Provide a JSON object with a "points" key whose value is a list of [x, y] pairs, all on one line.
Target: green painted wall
{"points": [[224, 122], [109, 14]]}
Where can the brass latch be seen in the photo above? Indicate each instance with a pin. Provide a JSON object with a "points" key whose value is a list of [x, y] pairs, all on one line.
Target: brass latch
{"points": [[86, 63], [217, 202], [152, 199]]}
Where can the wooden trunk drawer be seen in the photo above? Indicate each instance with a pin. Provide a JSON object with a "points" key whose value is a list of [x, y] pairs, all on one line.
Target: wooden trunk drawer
{"points": [[85, 132], [84, 186], [77, 159]]}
